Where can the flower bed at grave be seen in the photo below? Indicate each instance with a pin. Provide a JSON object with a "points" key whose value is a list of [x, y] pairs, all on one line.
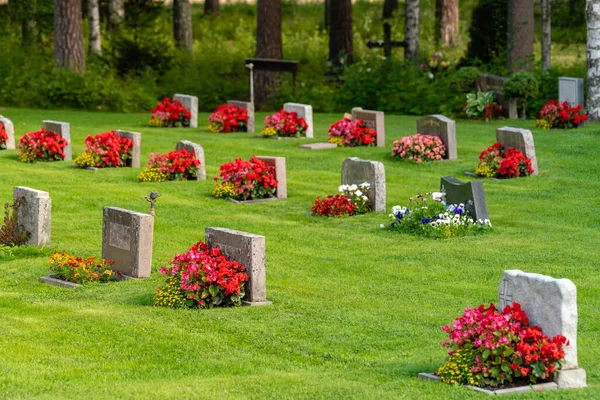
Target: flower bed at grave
{"points": [[81, 270], [228, 118], [42, 145], [105, 150], [560, 115], [3, 137], [419, 148], [350, 201], [491, 348], [496, 162], [246, 180], [178, 165], [170, 114], [284, 124], [202, 278], [430, 216], [348, 133], [482, 105]]}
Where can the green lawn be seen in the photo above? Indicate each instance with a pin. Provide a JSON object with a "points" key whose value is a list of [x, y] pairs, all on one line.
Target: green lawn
{"points": [[356, 309]]}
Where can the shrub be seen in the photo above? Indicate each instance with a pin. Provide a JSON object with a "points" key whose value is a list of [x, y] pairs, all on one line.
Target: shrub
{"points": [[42, 145], [348, 133], [105, 150], [170, 114], [521, 86], [286, 124], [560, 115], [81, 270], [464, 79], [419, 148], [497, 162], [252, 179], [11, 234], [228, 118], [176, 165]]}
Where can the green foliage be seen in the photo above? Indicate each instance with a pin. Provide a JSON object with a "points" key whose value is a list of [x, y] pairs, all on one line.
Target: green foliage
{"points": [[548, 90], [463, 80], [476, 103], [488, 33], [521, 86]]}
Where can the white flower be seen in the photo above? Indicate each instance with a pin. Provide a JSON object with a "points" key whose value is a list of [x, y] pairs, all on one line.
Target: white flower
{"points": [[430, 75], [437, 195], [364, 185], [358, 193], [352, 187], [381, 226], [365, 198], [342, 188]]}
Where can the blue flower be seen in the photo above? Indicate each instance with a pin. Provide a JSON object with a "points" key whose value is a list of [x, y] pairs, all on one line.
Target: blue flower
{"points": [[399, 215], [425, 220], [393, 224]]}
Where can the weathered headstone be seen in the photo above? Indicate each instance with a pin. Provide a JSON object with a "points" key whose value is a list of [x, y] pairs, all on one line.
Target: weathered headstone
{"points": [[127, 240], [199, 152], [191, 104], [520, 139], [280, 174], [305, 111], [318, 146], [442, 127], [495, 83], [136, 138], [249, 250], [34, 214], [246, 105], [571, 91], [550, 304], [470, 194], [374, 120], [10, 131], [356, 171], [63, 129]]}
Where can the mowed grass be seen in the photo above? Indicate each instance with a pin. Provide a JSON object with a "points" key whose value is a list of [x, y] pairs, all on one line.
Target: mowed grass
{"points": [[356, 309]]}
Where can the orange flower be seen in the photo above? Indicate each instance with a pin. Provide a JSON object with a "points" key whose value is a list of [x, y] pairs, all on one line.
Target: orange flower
{"points": [[94, 275]]}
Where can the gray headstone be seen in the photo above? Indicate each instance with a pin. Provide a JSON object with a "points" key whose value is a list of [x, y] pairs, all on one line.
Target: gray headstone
{"points": [[249, 250], [442, 127], [127, 239], [136, 150], [495, 83], [571, 91], [356, 171], [374, 120], [191, 104], [520, 139], [199, 152], [550, 304], [34, 214], [305, 111], [280, 174], [63, 129], [318, 146], [246, 105], [470, 194], [10, 131]]}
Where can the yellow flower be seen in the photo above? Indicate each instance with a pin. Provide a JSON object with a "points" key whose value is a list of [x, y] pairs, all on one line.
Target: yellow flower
{"points": [[107, 272], [337, 140], [268, 132]]}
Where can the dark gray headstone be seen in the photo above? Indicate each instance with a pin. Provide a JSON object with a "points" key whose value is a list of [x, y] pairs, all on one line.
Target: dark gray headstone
{"points": [[571, 91], [470, 194]]}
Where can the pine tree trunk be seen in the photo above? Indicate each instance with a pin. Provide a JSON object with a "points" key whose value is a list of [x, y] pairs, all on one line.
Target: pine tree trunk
{"points": [[447, 19], [116, 13], [592, 15], [182, 25], [268, 45], [68, 35], [520, 35], [411, 31], [341, 48], [95, 41], [546, 33], [212, 7]]}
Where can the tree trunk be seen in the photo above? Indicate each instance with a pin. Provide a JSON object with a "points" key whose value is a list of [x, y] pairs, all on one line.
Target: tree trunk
{"points": [[447, 18], [95, 41], [341, 49], [546, 31], [327, 4], [28, 23], [116, 13], [68, 35], [268, 45], [389, 6], [411, 31], [592, 16], [212, 7], [182, 25], [520, 35]]}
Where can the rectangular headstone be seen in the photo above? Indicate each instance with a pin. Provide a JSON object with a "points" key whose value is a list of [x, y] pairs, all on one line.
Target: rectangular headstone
{"points": [[356, 171], [571, 91], [249, 250], [470, 194], [246, 105], [136, 150], [305, 111], [495, 83], [442, 127], [63, 129], [374, 120], [127, 239], [191, 104], [10, 131], [520, 139], [550, 304], [34, 214], [318, 146], [199, 152], [280, 174]]}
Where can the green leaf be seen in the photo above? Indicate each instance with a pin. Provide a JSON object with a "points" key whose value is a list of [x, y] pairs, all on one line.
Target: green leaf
{"points": [[507, 352], [486, 354], [213, 290], [495, 372], [505, 366]]}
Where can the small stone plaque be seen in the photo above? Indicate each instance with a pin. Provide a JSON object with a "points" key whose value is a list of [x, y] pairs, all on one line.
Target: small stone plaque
{"points": [[374, 120], [470, 194], [10, 131], [199, 152], [442, 127], [34, 214], [356, 171], [246, 105], [136, 150], [305, 111], [63, 129], [318, 146], [191, 104], [520, 139]]}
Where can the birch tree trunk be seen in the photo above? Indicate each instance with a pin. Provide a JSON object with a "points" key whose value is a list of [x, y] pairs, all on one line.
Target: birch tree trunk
{"points": [[95, 41], [447, 19], [520, 35], [268, 45], [341, 46], [546, 31], [411, 31], [68, 35], [592, 16], [116, 13], [182, 25]]}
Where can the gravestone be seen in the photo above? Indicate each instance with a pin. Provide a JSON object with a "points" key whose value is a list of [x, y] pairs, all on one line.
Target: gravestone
{"points": [[374, 120], [550, 304], [356, 171], [318, 146], [127, 240], [469, 193], [520, 139], [280, 174], [63, 129], [571, 91], [136, 138], [442, 127], [305, 111], [246, 105], [34, 214], [249, 250], [495, 83], [191, 104], [199, 152], [10, 131]]}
